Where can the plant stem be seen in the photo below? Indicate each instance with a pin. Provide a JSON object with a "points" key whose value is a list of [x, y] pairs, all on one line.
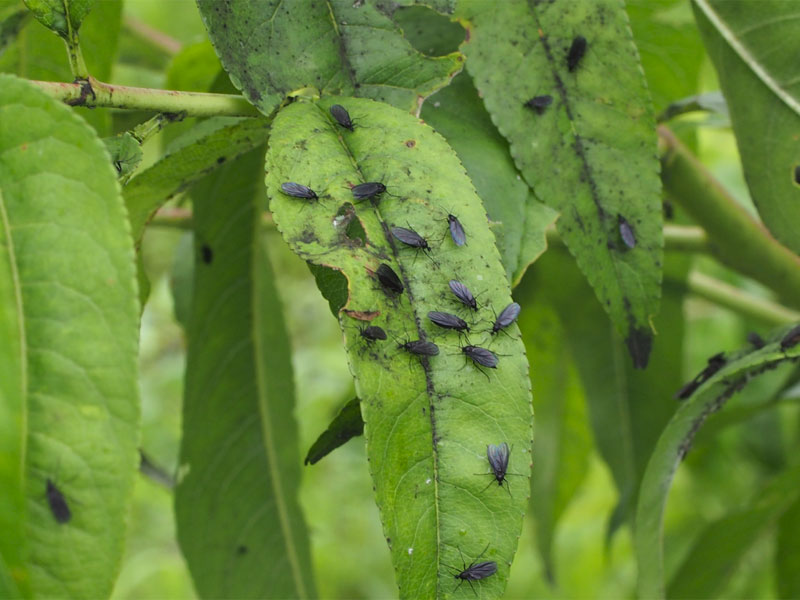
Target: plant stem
{"points": [[735, 299], [92, 93], [734, 237], [76, 62], [144, 131], [154, 37]]}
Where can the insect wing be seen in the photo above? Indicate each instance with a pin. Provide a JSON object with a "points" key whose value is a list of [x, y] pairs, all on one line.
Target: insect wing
{"points": [[58, 504], [409, 237], [447, 320], [626, 231], [498, 459], [481, 570], [362, 191], [422, 348], [373, 332], [539, 103], [507, 316], [297, 190], [342, 117], [462, 292], [481, 356], [389, 279], [456, 230]]}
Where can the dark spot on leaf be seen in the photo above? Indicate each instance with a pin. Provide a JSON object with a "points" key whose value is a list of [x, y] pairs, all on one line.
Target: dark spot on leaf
{"points": [[640, 342], [411, 143], [241, 549], [220, 160], [206, 254], [797, 174]]}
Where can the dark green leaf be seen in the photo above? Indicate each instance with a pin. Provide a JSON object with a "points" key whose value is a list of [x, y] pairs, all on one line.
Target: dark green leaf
{"points": [[337, 47], [345, 426], [672, 447], [787, 553], [427, 420], [239, 523], [69, 319], [332, 284], [563, 442], [591, 154], [722, 547], [754, 45]]}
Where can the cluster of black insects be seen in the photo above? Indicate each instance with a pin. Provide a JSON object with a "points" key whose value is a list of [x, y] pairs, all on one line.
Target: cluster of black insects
{"points": [[392, 286]]}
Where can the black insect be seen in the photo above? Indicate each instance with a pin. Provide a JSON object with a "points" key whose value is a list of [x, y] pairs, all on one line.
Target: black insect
{"points": [[715, 363], [475, 571], [462, 292], [506, 317], [297, 190], [791, 339], [626, 232], [411, 238], [576, 52], [372, 333], [481, 357], [498, 460], [206, 254], [58, 504], [390, 282], [456, 230], [342, 117], [797, 174], [539, 103], [448, 321], [756, 340], [371, 189], [420, 347]]}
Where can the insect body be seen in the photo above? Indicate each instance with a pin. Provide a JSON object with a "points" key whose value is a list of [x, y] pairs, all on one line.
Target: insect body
{"points": [[390, 282], [756, 340], [539, 103], [506, 317], [498, 461], [462, 292], [715, 363], [791, 339], [372, 333], [58, 504], [297, 190], [371, 189], [626, 232], [481, 357], [456, 230], [420, 348], [342, 117], [475, 571], [576, 52], [448, 321]]}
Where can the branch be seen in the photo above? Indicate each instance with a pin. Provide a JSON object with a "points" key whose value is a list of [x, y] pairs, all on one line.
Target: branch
{"points": [[735, 238], [92, 93], [154, 37], [726, 295]]}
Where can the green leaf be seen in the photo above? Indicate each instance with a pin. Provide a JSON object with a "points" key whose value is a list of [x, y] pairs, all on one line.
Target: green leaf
{"points": [[591, 155], [563, 442], [722, 547], [430, 33], [70, 314], [239, 523], [345, 426], [628, 408], [64, 17], [519, 220], [10, 26], [336, 47], [126, 153], [675, 442], [753, 45], [787, 553], [181, 279], [428, 420], [194, 155]]}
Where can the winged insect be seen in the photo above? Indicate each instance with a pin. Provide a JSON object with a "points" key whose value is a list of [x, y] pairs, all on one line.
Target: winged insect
{"points": [[475, 571], [576, 51], [297, 190], [341, 115]]}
